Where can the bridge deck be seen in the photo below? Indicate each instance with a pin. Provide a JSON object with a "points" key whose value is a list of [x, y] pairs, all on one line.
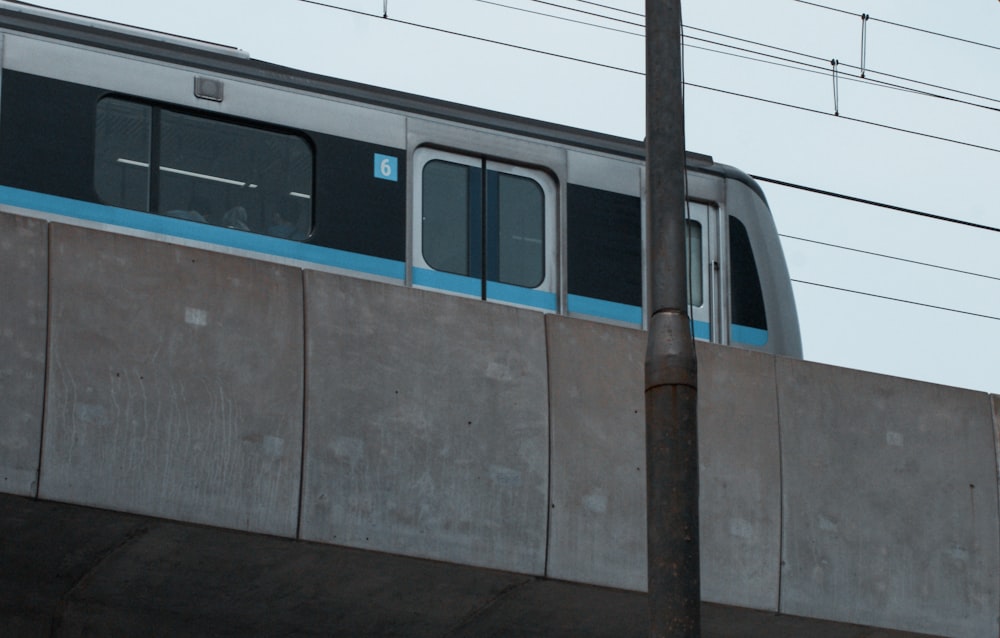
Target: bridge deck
{"points": [[70, 571]]}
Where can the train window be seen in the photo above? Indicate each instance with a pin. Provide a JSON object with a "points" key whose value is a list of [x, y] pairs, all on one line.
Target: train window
{"points": [[520, 234], [486, 222], [604, 253], [747, 298], [446, 205], [223, 173], [696, 293], [122, 153]]}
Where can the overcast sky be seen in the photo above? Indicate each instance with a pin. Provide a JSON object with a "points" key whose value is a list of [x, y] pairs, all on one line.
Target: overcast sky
{"points": [[948, 328]]}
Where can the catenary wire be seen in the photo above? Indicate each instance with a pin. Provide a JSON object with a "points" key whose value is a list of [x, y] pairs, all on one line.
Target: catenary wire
{"points": [[869, 202], [896, 299], [856, 120], [589, 13], [608, 7], [844, 64], [555, 17], [892, 257], [475, 37], [863, 73], [807, 67], [902, 26], [641, 73], [804, 67]]}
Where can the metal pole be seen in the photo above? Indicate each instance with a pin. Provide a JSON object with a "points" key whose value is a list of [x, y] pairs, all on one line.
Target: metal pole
{"points": [[671, 366]]}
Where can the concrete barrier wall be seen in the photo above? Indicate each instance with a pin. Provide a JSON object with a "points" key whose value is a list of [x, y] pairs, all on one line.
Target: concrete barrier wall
{"points": [[597, 517], [427, 425], [175, 382], [216, 389], [890, 501], [23, 316], [598, 509]]}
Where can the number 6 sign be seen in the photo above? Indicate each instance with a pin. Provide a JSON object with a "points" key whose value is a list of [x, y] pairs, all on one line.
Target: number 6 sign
{"points": [[386, 167]]}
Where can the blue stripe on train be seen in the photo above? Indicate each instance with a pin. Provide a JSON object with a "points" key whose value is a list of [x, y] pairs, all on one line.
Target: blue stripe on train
{"points": [[747, 335], [604, 309], [202, 232], [633, 314]]}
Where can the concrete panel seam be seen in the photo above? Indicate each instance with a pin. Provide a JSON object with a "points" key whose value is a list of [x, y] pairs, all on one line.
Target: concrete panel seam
{"points": [[305, 405], [48, 355], [548, 490], [781, 486]]}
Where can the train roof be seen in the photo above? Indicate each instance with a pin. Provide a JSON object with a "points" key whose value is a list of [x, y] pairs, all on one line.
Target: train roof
{"points": [[207, 56]]}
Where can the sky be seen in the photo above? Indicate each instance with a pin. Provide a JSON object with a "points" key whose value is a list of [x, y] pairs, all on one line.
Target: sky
{"points": [[876, 289]]}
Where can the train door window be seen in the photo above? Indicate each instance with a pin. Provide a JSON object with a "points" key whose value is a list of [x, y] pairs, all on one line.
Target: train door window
{"points": [[203, 169], [484, 228], [702, 255], [696, 278], [450, 192]]}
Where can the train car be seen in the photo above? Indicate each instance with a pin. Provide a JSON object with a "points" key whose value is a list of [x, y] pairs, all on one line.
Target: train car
{"points": [[188, 142]]}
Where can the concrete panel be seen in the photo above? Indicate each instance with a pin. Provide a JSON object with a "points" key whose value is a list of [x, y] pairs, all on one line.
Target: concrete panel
{"points": [[426, 425], [23, 305], [740, 481], [890, 502], [598, 509], [176, 382]]}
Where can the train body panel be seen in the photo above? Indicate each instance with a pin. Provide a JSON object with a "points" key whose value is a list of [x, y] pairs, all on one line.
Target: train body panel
{"points": [[185, 145]]}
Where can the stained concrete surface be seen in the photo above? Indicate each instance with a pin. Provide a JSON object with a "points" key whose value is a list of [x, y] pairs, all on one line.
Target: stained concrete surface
{"points": [[426, 426], [23, 313], [174, 382], [67, 570], [597, 521], [890, 501]]}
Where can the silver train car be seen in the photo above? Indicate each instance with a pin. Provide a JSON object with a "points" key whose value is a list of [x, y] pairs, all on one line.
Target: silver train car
{"points": [[193, 143]]}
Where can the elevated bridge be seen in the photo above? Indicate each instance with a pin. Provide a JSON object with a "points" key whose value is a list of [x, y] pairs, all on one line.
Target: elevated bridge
{"points": [[173, 382]]}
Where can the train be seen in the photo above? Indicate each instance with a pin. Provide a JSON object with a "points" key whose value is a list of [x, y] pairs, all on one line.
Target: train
{"points": [[199, 144]]}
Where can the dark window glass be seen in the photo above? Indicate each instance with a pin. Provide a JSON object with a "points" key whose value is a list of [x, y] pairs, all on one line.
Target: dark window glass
{"points": [[696, 286], [122, 153], [747, 298], [205, 170], [604, 232], [460, 237], [445, 211], [521, 232]]}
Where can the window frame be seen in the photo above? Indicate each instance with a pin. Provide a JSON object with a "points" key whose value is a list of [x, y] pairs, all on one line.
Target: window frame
{"points": [[424, 275]]}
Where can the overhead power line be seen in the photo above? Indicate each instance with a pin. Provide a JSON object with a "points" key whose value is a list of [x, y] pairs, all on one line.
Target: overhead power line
{"points": [[891, 257], [869, 202], [640, 73], [806, 109], [589, 13], [897, 299], [467, 36], [902, 26], [608, 7], [863, 75], [555, 17]]}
